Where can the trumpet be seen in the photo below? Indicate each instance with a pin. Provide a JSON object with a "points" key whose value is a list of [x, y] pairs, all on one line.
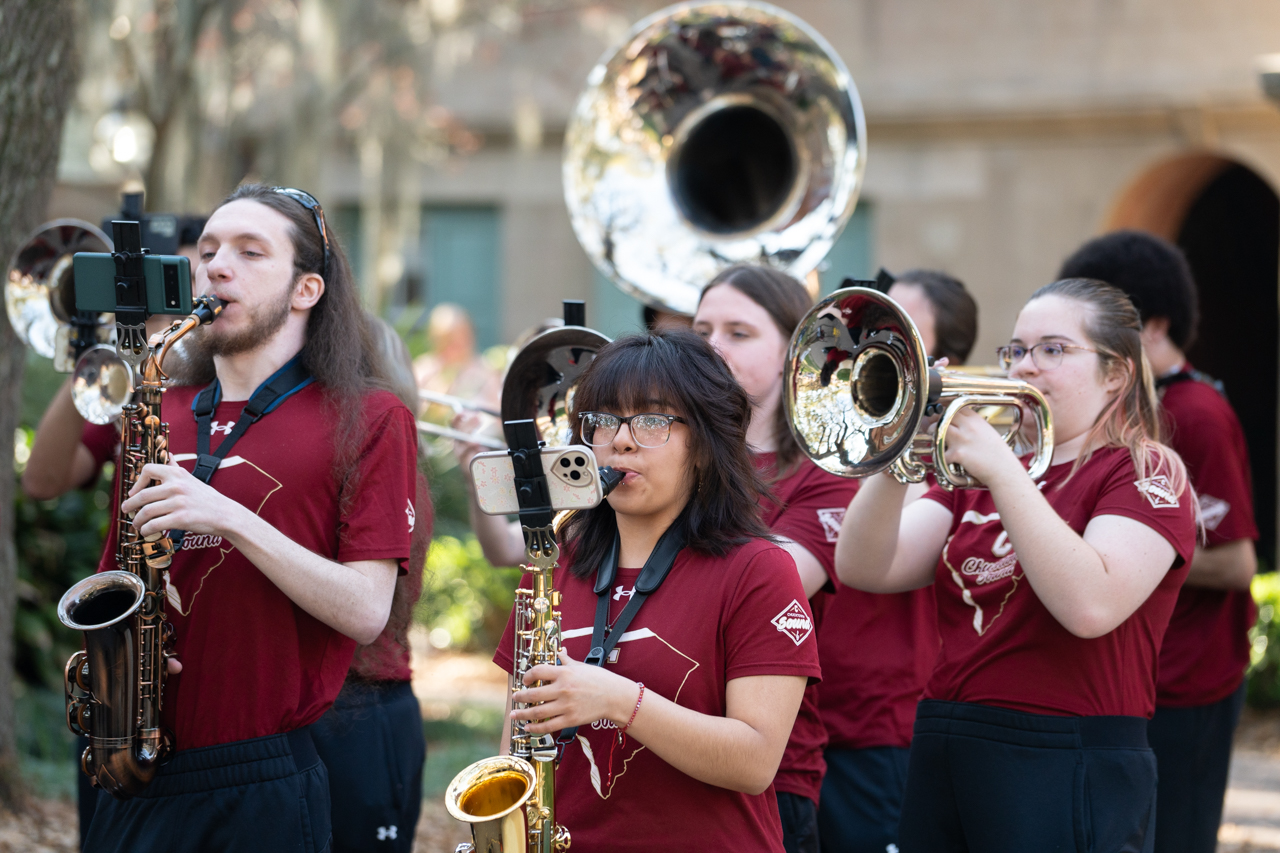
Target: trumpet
{"points": [[858, 388]]}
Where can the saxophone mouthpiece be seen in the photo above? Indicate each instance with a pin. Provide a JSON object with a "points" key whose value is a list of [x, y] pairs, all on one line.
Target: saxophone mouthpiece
{"points": [[206, 309], [610, 477]]}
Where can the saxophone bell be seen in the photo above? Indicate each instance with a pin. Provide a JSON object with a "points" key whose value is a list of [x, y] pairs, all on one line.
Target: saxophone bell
{"points": [[489, 795]]}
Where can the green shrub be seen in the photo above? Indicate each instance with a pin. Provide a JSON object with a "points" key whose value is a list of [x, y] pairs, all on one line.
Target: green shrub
{"points": [[58, 543], [1264, 656], [465, 600]]}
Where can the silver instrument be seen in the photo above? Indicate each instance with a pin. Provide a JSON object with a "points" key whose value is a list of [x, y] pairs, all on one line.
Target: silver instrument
{"points": [[858, 388], [716, 134], [40, 299]]}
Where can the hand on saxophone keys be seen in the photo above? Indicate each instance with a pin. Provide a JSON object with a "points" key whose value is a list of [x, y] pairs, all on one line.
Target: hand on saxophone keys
{"points": [[168, 497], [573, 694]]}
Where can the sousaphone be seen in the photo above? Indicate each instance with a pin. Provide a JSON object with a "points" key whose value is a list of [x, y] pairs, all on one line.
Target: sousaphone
{"points": [[715, 134]]}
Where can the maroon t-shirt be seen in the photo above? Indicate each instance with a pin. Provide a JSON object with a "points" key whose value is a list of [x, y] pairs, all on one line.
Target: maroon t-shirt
{"points": [[1206, 648], [103, 444], [802, 509], [713, 619], [254, 663], [388, 657], [1002, 647]]}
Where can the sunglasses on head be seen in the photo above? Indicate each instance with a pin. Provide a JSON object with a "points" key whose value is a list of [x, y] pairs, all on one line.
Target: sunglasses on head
{"points": [[308, 201]]}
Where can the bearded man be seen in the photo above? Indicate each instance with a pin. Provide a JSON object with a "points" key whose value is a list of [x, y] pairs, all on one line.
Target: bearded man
{"points": [[292, 479]]}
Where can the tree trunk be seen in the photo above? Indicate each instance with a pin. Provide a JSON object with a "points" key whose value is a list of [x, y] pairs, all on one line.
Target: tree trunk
{"points": [[38, 72]]}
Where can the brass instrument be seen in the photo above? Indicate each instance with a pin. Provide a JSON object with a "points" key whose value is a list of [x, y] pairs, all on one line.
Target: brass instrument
{"points": [[509, 800], [40, 299], [115, 686], [858, 387], [715, 134]]}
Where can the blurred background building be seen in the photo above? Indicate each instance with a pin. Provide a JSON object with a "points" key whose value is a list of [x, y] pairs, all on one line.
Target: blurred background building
{"points": [[1001, 134]]}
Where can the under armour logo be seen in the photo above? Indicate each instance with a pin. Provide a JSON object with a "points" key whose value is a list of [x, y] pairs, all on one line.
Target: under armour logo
{"points": [[387, 832], [621, 593], [225, 429]]}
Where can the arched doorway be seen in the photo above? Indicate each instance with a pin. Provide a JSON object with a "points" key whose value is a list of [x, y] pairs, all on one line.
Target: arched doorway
{"points": [[1226, 219]]}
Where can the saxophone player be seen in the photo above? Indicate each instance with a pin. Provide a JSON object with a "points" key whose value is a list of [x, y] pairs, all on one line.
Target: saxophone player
{"points": [[292, 477], [684, 672]]}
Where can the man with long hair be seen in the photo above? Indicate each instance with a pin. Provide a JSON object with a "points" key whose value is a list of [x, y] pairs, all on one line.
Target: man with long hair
{"points": [[292, 478]]}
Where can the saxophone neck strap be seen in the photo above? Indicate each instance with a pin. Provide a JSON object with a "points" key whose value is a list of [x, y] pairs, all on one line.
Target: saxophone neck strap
{"points": [[655, 571], [277, 388]]}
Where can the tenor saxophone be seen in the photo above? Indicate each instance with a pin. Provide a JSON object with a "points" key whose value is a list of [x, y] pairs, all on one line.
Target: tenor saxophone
{"points": [[510, 800], [115, 686]]}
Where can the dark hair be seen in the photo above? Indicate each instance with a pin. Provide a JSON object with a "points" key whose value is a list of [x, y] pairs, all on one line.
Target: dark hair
{"points": [[340, 351], [786, 302], [677, 372], [954, 311], [1132, 419], [1153, 272]]}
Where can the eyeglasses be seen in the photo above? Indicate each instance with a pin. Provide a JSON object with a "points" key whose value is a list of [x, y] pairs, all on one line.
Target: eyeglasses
{"points": [[1044, 356], [649, 429], [308, 201]]}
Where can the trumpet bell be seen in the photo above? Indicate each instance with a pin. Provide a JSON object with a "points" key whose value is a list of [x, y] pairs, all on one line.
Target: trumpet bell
{"points": [[857, 382], [716, 134], [543, 376], [101, 385], [857, 387], [39, 292]]}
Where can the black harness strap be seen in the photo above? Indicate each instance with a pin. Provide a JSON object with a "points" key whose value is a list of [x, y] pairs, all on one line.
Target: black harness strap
{"points": [[291, 378], [1189, 374], [655, 571], [278, 387]]}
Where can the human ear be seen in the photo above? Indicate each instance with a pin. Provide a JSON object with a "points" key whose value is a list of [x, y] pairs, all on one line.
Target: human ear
{"points": [[307, 291], [1154, 330]]}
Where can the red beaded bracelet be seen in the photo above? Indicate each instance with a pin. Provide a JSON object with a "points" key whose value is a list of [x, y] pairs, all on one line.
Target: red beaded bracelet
{"points": [[634, 711]]}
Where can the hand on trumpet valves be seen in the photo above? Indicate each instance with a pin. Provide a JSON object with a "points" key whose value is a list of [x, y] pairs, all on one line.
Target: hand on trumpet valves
{"points": [[980, 449], [574, 694], [168, 497]]}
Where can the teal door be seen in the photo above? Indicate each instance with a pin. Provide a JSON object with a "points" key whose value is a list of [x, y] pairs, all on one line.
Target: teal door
{"points": [[462, 263]]}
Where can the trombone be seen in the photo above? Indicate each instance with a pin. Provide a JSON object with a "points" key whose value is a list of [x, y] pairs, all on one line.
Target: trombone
{"points": [[858, 388], [459, 405]]}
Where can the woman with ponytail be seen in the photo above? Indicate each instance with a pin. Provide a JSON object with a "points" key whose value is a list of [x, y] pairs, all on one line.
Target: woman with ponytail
{"points": [[1052, 596]]}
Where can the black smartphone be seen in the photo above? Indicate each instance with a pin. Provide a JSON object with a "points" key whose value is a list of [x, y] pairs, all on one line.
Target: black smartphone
{"points": [[168, 282]]}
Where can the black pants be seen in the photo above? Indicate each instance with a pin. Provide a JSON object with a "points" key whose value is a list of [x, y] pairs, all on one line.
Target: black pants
{"points": [[799, 823], [862, 799], [1193, 752], [988, 780], [268, 793], [371, 741]]}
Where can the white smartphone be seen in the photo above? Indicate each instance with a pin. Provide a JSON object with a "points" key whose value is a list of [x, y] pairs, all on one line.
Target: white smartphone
{"points": [[573, 480]]}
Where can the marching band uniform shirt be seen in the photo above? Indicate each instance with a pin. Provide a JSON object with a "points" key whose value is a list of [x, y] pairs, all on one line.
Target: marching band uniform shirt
{"points": [[802, 508], [255, 663], [103, 443], [1002, 647], [388, 657], [1206, 648], [712, 620]]}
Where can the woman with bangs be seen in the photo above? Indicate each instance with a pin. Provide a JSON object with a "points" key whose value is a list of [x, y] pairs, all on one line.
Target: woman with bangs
{"points": [[1052, 597], [687, 641]]}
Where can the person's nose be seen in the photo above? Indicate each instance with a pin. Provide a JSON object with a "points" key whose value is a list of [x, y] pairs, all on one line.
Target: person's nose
{"points": [[1024, 367], [218, 268], [621, 444]]}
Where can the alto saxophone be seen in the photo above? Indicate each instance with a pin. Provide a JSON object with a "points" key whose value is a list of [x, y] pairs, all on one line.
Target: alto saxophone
{"points": [[115, 686], [510, 800]]}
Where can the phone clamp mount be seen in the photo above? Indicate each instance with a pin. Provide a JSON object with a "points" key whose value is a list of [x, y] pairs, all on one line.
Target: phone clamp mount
{"points": [[525, 449], [131, 292]]}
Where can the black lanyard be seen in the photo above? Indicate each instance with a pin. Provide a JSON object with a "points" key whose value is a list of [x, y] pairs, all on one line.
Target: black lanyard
{"points": [[277, 388], [655, 571]]}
